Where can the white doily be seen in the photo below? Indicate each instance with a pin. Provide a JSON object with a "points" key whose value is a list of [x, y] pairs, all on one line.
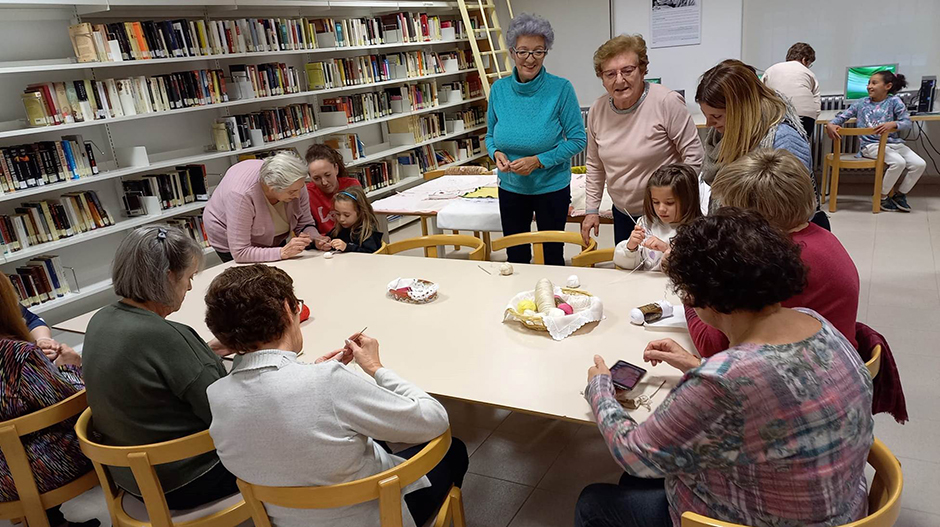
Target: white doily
{"points": [[418, 291], [587, 309]]}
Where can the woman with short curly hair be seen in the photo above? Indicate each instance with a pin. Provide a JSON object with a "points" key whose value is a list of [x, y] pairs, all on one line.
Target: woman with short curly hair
{"points": [[280, 422], [775, 430]]}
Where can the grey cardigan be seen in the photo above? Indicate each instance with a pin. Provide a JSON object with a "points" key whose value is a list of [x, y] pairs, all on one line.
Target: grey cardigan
{"points": [[280, 422]]}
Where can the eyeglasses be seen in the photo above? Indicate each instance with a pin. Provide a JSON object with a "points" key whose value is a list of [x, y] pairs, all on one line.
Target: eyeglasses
{"points": [[525, 54], [610, 75]]}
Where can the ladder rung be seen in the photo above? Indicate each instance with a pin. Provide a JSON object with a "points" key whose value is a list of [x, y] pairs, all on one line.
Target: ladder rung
{"points": [[496, 74], [496, 52], [478, 7]]}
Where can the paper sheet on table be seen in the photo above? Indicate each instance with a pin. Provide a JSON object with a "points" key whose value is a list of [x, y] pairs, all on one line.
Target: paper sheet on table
{"points": [[676, 322], [483, 193], [470, 215]]}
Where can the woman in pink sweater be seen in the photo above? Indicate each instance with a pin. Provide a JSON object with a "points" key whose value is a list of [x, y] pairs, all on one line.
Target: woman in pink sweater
{"points": [[776, 184], [633, 130], [257, 207]]}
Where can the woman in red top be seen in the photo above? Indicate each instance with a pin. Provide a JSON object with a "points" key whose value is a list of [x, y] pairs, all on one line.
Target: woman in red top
{"points": [[776, 184], [328, 174]]}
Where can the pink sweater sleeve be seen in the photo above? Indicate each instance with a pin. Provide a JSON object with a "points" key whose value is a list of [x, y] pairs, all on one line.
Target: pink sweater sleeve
{"points": [[681, 130], [304, 218], [240, 214], [708, 340], [596, 176]]}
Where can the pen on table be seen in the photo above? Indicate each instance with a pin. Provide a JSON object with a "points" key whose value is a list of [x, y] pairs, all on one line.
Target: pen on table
{"points": [[484, 270]]}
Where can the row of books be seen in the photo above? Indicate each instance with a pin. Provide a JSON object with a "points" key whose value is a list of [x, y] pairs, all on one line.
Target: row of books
{"points": [[42, 279], [471, 116], [373, 176], [50, 220], [54, 103], [37, 164], [448, 152], [419, 127], [185, 185], [349, 145], [375, 105], [264, 80], [274, 124], [368, 69], [469, 87], [150, 39], [193, 225]]}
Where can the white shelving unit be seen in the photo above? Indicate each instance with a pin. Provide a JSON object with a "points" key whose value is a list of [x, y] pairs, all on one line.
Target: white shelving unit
{"points": [[178, 137]]}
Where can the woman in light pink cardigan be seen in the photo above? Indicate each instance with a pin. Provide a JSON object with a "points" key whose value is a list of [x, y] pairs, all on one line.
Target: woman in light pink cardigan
{"points": [[258, 204]]}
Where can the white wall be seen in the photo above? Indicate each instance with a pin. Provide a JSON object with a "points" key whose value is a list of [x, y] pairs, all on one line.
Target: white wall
{"points": [[580, 28], [681, 67], [844, 33]]}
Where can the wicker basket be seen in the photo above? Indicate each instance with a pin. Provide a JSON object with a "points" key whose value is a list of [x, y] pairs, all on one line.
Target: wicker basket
{"points": [[403, 296], [536, 322]]}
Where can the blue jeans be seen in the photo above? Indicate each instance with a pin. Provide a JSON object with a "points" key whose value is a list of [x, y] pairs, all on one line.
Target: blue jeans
{"points": [[635, 502], [623, 226]]}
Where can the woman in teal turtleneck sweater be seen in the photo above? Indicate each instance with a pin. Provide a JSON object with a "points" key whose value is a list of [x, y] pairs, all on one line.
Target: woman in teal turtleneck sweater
{"points": [[534, 128]]}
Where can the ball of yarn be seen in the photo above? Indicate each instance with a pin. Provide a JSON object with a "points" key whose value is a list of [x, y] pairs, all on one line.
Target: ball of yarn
{"points": [[505, 269], [573, 281], [566, 308], [525, 305], [328, 255], [555, 312]]}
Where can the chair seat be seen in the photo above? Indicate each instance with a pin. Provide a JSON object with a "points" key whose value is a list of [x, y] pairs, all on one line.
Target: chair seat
{"points": [[852, 159], [134, 507]]}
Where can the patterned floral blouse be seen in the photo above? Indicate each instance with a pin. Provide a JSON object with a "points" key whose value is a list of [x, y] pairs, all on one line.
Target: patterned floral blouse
{"points": [[759, 435], [30, 382]]}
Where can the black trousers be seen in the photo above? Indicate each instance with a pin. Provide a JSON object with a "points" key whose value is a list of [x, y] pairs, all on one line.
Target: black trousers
{"points": [[635, 502], [623, 226], [809, 124], [224, 256], [213, 485], [426, 502], [551, 214]]}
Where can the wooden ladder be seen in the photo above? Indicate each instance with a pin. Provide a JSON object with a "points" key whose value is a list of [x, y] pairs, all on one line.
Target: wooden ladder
{"points": [[487, 61]]}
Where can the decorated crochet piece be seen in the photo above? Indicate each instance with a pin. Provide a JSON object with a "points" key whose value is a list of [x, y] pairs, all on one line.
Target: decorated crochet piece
{"points": [[412, 290], [546, 308]]}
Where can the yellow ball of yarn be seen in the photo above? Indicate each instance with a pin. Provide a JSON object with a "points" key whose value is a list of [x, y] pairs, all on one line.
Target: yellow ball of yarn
{"points": [[525, 304]]}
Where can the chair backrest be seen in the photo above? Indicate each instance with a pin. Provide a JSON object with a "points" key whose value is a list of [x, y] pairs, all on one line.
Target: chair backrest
{"points": [[874, 363], [141, 459], [385, 486], [430, 243], [837, 146], [382, 250], [31, 504], [884, 496], [537, 238], [465, 170], [592, 258]]}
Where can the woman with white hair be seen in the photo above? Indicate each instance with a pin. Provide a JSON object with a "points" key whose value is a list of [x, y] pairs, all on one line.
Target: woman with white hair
{"points": [[534, 127], [145, 376], [258, 204]]}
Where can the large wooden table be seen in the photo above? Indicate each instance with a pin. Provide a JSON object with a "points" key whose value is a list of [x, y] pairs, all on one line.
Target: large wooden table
{"points": [[458, 346]]}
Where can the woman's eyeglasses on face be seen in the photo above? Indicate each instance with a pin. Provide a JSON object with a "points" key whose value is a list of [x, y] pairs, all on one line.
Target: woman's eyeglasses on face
{"points": [[610, 75], [525, 54]]}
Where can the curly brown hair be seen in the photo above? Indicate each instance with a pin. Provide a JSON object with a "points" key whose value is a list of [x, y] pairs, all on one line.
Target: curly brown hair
{"points": [[245, 306], [802, 52], [324, 152], [734, 260]]}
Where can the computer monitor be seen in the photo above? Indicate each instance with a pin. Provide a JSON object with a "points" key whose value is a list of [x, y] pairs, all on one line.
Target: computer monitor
{"points": [[654, 80], [856, 79]]}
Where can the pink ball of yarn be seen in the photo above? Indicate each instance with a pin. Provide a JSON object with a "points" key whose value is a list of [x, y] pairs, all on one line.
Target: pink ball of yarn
{"points": [[566, 308]]}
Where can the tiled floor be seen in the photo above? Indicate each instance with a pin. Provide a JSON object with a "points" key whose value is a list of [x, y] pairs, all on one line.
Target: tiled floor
{"points": [[528, 471]]}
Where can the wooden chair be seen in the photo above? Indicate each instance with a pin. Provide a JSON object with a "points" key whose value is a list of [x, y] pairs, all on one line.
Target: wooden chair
{"points": [[884, 495], [538, 238], [430, 244], [384, 486], [592, 258], [382, 249], [127, 510], [837, 161], [32, 505], [874, 363]]}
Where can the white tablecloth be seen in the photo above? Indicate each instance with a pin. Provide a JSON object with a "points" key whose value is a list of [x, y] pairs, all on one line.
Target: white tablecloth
{"points": [[470, 215]]}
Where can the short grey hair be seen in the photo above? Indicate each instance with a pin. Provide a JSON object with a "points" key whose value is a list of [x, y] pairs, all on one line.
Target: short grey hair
{"points": [[526, 24], [282, 170], [146, 258]]}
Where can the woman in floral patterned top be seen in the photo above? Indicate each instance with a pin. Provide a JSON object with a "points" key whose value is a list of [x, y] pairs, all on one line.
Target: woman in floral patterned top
{"points": [[773, 431], [30, 382]]}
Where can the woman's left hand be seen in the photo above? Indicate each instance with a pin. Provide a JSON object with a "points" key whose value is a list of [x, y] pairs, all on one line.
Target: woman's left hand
{"points": [[343, 355], [889, 126], [599, 368], [339, 245], [525, 165], [322, 244], [655, 244]]}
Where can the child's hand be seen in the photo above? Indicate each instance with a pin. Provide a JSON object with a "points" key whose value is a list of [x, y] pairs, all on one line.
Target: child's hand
{"points": [[832, 130], [655, 244], [295, 246], [636, 237], [339, 245], [890, 126], [322, 244]]}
